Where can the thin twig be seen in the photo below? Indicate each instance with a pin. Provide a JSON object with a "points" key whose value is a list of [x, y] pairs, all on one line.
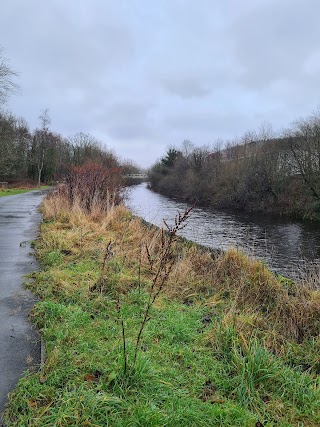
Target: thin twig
{"points": [[124, 346], [161, 275]]}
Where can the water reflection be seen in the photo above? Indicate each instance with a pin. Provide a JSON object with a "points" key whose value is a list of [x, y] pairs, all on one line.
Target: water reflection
{"points": [[284, 245]]}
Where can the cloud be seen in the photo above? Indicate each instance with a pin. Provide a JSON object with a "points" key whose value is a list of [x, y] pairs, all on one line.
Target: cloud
{"points": [[143, 74], [129, 120], [186, 87], [197, 126], [273, 42]]}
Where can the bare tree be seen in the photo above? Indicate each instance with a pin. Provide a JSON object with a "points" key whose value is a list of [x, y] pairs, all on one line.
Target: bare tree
{"points": [[7, 76], [40, 143], [304, 142], [84, 147]]}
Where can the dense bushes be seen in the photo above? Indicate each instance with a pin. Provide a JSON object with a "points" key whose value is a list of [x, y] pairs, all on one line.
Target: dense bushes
{"points": [[261, 173]]}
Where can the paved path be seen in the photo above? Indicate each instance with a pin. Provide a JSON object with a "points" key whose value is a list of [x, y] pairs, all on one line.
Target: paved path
{"points": [[19, 344]]}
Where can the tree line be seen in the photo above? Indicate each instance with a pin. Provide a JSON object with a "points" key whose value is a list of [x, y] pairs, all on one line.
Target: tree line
{"points": [[260, 172], [43, 155]]}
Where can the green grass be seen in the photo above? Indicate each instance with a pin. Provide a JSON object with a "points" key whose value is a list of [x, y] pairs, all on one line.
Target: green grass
{"points": [[194, 367], [14, 191]]}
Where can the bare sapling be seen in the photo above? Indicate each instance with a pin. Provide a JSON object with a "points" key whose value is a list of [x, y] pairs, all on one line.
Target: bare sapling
{"points": [[160, 267]]}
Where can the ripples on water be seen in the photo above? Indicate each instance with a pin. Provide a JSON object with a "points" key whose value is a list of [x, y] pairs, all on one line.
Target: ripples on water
{"points": [[285, 245]]}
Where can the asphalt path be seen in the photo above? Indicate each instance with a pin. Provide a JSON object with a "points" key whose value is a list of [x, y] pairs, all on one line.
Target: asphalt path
{"points": [[19, 343]]}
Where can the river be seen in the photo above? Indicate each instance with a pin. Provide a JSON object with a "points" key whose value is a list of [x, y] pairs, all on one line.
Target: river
{"points": [[287, 246]]}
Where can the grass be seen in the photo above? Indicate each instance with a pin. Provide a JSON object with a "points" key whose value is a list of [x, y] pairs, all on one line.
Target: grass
{"points": [[227, 343], [14, 191]]}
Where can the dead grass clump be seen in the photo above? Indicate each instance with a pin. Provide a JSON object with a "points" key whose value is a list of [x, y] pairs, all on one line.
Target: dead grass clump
{"points": [[55, 206], [250, 282], [115, 217], [293, 310], [311, 277], [192, 274]]}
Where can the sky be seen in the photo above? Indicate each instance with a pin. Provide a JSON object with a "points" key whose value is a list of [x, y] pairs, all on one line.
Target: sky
{"points": [[143, 75]]}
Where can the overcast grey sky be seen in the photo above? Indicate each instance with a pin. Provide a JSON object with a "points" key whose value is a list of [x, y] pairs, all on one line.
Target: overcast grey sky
{"points": [[144, 74]]}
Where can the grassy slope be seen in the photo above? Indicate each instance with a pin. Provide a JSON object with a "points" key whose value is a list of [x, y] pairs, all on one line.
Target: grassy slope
{"points": [[227, 343]]}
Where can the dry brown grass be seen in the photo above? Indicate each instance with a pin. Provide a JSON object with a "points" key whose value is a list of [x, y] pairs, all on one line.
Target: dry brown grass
{"points": [[58, 206], [311, 276], [292, 309]]}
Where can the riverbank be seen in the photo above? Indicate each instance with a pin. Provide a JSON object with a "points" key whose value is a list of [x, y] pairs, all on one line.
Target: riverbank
{"points": [[276, 176], [224, 344], [303, 209]]}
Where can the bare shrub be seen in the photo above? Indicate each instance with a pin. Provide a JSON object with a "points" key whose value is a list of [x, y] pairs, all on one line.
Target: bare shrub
{"points": [[94, 187], [91, 189]]}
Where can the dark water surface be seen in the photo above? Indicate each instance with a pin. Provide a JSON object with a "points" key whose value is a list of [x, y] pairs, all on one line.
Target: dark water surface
{"points": [[285, 245]]}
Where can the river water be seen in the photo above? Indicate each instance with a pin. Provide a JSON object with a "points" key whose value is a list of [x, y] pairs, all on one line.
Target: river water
{"points": [[287, 246]]}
